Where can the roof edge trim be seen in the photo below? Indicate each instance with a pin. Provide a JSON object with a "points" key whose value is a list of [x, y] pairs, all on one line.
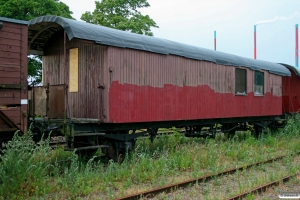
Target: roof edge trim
{"points": [[295, 69]]}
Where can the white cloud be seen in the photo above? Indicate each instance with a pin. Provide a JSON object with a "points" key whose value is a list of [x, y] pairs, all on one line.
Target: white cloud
{"points": [[275, 19]]}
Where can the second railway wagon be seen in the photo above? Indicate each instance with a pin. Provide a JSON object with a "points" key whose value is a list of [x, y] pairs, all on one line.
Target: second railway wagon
{"points": [[290, 91], [13, 77], [107, 82]]}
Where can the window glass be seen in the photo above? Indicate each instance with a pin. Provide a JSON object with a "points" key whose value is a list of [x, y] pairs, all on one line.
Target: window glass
{"points": [[240, 81], [258, 83]]}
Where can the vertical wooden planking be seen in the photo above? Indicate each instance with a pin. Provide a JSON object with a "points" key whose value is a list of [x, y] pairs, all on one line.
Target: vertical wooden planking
{"points": [[13, 74], [177, 88], [87, 95]]}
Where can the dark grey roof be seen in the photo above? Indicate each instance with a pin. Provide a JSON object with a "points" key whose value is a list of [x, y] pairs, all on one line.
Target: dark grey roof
{"points": [[113, 37], [4, 19], [293, 68]]}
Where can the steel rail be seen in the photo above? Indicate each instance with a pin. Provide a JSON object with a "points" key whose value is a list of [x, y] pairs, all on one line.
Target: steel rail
{"points": [[262, 188], [54, 145], [173, 187]]}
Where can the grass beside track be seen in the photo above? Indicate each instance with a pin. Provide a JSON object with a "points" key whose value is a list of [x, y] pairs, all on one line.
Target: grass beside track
{"points": [[241, 181], [30, 172]]}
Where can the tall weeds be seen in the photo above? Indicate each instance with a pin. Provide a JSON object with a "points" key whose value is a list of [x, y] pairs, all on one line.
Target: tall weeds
{"points": [[23, 167], [35, 171]]}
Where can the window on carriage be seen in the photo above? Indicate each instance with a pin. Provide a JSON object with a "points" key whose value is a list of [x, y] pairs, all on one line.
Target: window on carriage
{"points": [[240, 81], [258, 83]]}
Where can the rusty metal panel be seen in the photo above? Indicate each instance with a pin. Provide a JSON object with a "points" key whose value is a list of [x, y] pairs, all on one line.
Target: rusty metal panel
{"points": [[56, 102], [40, 101], [13, 73]]}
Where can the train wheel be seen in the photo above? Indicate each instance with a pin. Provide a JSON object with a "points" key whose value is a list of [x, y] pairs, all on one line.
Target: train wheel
{"points": [[273, 127], [85, 154], [112, 153], [36, 134], [258, 131]]}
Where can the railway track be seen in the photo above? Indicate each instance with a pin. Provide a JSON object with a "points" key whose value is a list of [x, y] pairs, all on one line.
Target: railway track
{"points": [[262, 188], [170, 188], [54, 145]]}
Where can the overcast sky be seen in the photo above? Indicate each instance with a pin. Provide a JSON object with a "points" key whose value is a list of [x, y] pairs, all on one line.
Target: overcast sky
{"points": [[194, 21]]}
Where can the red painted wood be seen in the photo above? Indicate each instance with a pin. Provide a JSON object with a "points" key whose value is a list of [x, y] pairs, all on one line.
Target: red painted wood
{"points": [[12, 26], [9, 48], [10, 42], [9, 94], [132, 103], [90, 99], [5, 80], [7, 54], [13, 70], [24, 71], [6, 68], [9, 34], [9, 101], [14, 115], [13, 29], [13, 74], [9, 61], [15, 119], [291, 93], [14, 111]]}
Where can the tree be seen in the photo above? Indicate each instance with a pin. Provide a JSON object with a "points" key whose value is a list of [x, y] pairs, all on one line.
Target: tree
{"points": [[27, 10], [122, 15]]}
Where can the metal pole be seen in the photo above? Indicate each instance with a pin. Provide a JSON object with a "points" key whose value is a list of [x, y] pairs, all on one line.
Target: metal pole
{"points": [[215, 40], [297, 48], [254, 41]]}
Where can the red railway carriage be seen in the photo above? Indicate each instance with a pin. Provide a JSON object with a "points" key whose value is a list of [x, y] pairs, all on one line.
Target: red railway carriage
{"points": [[290, 91], [13, 76], [154, 87], [102, 83], [120, 77]]}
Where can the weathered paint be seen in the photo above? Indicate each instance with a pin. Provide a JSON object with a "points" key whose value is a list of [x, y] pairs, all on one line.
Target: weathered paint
{"points": [[122, 85], [153, 87], [291, 93], [13, 75], [132, 103], [90, 100]]}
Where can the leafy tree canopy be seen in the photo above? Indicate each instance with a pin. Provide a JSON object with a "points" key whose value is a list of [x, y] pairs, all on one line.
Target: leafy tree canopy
{"points": [[27, 10], [122, 15]]}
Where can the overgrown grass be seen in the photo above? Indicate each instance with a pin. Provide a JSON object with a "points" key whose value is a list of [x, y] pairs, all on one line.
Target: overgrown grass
{"points": [[35, 171]]}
